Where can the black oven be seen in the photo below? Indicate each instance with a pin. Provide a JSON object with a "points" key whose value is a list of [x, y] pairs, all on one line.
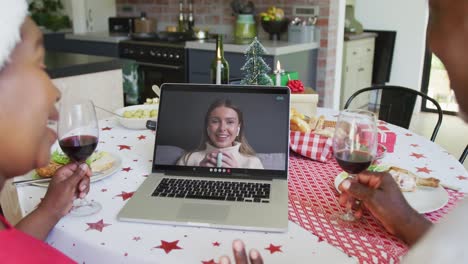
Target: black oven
{"points": [[158, 63]]}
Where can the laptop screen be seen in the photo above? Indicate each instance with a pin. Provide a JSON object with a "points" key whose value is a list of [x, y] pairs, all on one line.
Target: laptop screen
{"points": [[222, 130]]}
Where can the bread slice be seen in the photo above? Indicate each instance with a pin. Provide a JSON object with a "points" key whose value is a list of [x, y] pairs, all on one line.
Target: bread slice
{"points": [[102, 161], [320, 122], [298, 124], [408, 181], [327, 132]]}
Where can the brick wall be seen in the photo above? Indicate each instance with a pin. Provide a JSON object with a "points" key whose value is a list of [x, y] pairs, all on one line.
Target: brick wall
{"points": [[218, 13]]}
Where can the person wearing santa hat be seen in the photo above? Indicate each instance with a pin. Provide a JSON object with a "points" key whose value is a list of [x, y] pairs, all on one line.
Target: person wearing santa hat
{"points": [[27, 104]]}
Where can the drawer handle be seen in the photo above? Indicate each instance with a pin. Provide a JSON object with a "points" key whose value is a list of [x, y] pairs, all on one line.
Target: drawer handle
{"points": [[360, 69], [354, 53], [369, 50]]}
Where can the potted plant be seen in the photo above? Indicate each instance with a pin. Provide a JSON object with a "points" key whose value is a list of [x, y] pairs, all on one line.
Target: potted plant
{"points": [[49, 14], [245, 30]]}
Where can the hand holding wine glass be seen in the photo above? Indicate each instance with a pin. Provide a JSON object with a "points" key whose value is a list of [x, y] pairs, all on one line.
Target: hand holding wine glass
{"points": [[355, 144], [78, 137]]}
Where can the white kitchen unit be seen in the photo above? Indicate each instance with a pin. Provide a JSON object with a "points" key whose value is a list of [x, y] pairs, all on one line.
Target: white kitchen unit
{"points": [[358, 58], [91, 15]]}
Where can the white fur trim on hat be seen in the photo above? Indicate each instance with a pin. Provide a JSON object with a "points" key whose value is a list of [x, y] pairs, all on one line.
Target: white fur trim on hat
{"points": [[12, 15]]}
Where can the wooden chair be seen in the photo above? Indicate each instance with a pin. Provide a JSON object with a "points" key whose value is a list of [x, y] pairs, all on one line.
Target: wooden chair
{"points": [[393, 104]]}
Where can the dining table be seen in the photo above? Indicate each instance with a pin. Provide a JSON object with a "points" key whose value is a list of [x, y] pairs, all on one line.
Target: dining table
{"points": [[313, 235]]}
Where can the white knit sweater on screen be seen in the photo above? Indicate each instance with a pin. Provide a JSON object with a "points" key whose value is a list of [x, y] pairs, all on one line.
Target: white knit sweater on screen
{"points": [[243, 161]]}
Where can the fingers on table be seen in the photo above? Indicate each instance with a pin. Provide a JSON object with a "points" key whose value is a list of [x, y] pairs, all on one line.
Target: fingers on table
{"points": [[255, 257], [240, 256]]}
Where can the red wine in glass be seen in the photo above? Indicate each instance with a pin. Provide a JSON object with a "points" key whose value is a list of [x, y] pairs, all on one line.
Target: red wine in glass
{"points": [[79, 148], [353, 162], [78, 133], [354, 145]]}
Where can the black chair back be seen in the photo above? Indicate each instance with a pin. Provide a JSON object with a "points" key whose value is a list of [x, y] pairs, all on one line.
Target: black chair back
{"points": [[464, 154], [393, 104]]}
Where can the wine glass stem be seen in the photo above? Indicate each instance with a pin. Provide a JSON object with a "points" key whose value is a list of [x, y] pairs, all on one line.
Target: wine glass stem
{"points": [[349, 215], [83, 201]]}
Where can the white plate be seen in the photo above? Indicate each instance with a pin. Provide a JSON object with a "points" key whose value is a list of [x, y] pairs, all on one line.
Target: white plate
{"points": [[115, 167], [423, 200], [136, 123]]}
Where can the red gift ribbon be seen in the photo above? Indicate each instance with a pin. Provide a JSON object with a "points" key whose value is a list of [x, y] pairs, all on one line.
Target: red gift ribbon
{"points": [[296, 86]]}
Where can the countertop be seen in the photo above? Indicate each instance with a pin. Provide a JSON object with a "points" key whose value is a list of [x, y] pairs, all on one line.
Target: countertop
{"points": [[62, 64], [98, 37], [272, 47]]}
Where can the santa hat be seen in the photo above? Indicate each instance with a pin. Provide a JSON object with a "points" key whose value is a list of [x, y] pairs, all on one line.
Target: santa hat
{"points": [[12, 16]]}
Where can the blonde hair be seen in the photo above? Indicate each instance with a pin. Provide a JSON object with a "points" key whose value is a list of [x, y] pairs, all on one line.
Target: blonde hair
{"points": [[244, 148]]}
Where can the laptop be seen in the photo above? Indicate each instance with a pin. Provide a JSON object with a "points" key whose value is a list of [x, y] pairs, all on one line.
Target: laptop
{"points": [[190, 184]]}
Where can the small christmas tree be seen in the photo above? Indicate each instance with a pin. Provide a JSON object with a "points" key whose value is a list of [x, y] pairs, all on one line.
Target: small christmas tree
{"points": [[255, 68]]}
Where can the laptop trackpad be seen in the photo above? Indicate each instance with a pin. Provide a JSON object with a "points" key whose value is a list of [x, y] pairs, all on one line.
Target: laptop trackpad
{"points": [[193, 211]]}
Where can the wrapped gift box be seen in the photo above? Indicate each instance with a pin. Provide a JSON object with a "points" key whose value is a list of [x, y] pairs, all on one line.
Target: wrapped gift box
{"points": [[306, 102], [293, 75], [387, 138]]}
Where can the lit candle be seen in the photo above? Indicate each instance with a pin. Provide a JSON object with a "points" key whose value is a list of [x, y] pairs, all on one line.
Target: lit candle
{"points": [[278, 73], [218, 72]]}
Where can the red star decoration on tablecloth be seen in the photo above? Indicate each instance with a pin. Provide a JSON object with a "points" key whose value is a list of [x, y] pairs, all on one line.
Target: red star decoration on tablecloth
{"points": [[424, 169], [417, 155], [145, 175], [103, 190], [106, 128], [462, 178], [216, 244], [99, 225], [137, 238], [122, 147], [141, 137], [414, 145], [211, 261], [272, 248], [135, 160], [408, 134], [126, 254], [168, 246], [125, 195], [127, 169]]}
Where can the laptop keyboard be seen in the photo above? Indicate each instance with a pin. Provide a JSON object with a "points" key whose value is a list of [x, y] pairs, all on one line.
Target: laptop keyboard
{"points": [[214, 190]]}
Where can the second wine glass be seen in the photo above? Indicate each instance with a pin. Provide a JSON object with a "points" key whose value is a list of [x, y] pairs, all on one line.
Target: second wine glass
{"points": [[355, 144], [78, 133]]}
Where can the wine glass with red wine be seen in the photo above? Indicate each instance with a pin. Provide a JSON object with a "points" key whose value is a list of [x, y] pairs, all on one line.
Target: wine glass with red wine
{"points": [[78, 134], [355, 145]]}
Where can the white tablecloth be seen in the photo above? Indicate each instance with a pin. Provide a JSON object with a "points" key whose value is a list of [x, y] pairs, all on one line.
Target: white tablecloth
{"points": [[101, 238]]}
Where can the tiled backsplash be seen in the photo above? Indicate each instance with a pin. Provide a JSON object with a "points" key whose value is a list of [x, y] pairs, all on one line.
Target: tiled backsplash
{"points": [[218, 14]]}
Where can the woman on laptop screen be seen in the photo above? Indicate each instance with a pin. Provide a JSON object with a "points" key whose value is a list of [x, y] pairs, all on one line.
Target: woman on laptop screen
{"points": [[223, 143]]}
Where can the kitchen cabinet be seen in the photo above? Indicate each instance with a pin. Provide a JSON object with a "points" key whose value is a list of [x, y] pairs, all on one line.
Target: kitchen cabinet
{"points": [[88, 77], [58, 42], [91, 15], [358, 57]]}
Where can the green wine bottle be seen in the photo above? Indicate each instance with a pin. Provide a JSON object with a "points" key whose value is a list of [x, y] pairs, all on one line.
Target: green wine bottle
{"points": [[219, 66], [181, 19]]}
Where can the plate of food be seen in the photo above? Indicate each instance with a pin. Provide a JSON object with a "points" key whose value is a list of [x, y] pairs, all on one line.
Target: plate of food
{"points": [[135, 116], [102, 163], [423, 194]]}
